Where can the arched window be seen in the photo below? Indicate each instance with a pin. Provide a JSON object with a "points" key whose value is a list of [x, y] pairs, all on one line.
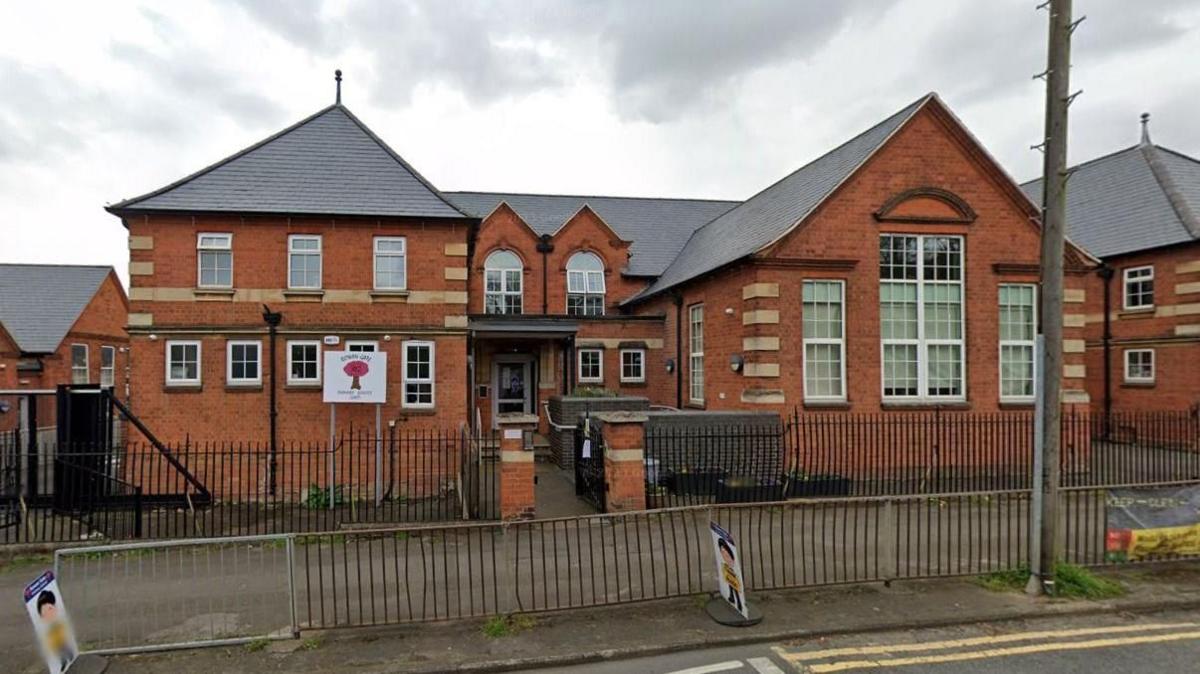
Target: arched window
{"points": [[502, 283], [585, 285]]}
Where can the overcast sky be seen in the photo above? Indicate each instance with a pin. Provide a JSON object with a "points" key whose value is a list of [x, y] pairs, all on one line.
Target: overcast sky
{"points": [[686, 98]]}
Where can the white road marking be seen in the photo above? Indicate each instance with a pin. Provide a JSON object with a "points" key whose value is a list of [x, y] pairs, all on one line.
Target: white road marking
{"points": [[764, 666], [708, 669]]}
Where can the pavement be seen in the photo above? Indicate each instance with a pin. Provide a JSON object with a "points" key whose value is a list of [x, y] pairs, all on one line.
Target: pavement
{"points": [[676, 634]]}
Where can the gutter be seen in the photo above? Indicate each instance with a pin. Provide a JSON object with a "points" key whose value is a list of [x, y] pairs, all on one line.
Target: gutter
{"points": [[678, 298], [1106, 273]]}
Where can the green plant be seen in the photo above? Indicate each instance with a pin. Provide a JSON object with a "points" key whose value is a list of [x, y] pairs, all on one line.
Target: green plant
{"points": [[318, 496], [593, 392], [498, 627], [310, 644], [1008, 580], [257, 645], [1077, 582]]}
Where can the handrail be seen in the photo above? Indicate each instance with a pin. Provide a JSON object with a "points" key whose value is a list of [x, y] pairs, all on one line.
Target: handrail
{"points": [[550, 420]]}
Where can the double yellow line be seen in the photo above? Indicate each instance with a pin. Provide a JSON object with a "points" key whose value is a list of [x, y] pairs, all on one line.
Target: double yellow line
{"points": [[985, 647]]}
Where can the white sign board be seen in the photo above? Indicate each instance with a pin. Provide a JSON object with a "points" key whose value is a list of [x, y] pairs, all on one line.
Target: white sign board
{"points": [[355, 377], [56, 639], [729, 570]]}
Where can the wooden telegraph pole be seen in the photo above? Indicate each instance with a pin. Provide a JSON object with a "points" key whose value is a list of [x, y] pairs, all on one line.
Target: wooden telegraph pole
{"points": [[1054, 207]]}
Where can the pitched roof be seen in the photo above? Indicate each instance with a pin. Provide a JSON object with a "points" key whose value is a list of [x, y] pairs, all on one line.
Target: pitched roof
{"points": [[40, 302], [1138, 198], [768, 215], [327, 164], [658, 228]]}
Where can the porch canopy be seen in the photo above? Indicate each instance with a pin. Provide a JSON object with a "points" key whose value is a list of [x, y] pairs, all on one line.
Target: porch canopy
{"points": [[512, 326]]}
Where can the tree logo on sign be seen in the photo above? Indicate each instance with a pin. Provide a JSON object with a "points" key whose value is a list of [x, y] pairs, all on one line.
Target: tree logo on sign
{"points": [[356, 369]]}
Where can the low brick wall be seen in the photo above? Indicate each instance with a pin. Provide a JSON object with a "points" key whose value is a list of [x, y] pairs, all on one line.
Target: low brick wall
{"points": [[747, 444], [568, 410]]}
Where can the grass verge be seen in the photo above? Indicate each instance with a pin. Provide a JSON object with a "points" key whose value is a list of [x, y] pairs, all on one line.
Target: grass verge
{"points": [[499, 626], [1070, 582]]}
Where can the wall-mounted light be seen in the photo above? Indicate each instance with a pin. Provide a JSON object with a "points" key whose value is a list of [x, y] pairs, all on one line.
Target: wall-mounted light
{"points": [[728, 311], [153, 337], [736, 361], [387, 338], [670, 365]]}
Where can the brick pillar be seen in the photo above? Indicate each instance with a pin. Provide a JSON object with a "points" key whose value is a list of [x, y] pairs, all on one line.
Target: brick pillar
{"points": [[624, 460], [516, 467]]}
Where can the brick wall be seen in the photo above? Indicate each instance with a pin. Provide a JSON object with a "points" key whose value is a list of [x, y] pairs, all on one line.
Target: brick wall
{"points": [[568, 410]]}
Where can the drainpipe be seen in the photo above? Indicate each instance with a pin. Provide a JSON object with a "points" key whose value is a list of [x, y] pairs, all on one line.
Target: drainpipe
{"points": [[272, 319], [545, 247], [678, 297], [1106, 273]]}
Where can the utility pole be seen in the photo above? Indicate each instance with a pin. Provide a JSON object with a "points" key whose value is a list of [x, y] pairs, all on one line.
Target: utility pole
{"points": [[1054, 210]]}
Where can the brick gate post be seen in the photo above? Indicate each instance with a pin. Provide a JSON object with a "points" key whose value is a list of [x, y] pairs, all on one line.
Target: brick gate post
{"points": [[624, 459], [516, 466]]}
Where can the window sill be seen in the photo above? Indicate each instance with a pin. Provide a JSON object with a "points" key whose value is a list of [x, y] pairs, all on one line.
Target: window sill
{"points": [[634, 384], [300, 295], [213, 294], [926, 405], [389, 295], [237, 388], [302, 386], [591, 382], [691, 404], [826, 404], [1138, 384], [1140, 312], [418, 411], [1016, 404], [182, 388]]}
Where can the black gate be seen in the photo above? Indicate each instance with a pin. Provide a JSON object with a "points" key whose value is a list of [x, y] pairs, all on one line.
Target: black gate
{"points": [[590, 484], [86, 460]]}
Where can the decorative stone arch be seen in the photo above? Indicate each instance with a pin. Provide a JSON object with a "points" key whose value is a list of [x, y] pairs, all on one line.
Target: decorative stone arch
{"points": [[926, 204]]}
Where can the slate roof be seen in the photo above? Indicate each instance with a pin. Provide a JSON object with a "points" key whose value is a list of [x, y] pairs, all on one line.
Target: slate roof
{"points": [[1139, 198], [39, 303], [657, 227], [327, 164], [768, 215]]}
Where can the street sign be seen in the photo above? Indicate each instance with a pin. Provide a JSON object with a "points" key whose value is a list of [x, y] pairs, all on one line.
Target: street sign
{"points": [[355, 377], [51, 625], [729, 570]]}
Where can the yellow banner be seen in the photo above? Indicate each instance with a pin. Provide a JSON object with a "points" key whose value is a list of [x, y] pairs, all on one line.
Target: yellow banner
{"points": [[1184, 540]]}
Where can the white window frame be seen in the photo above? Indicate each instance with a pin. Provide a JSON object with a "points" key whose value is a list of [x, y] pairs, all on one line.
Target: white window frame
{"points": [[432, 380], [641, 366], [1153, 367], [86, 367], [376, 254], [505, 291], [200, 247], [170, 381], [1030, 344], [1126, 281], [362, 342], [695, 356], [600, 365], [293, 381], [243, 381], [921, 341], [587, 276], [110, 372], [318, 253], [839, 341]]}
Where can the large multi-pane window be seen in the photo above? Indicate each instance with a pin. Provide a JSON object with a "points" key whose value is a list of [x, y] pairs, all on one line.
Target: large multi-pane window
{"points": [[502, 283], [304, 261], [585, 285], [79, 364], [1018, 328], [1139, 287], [108, 365], [696, 353], [391, 271], [183, 362], [304, 362], [921, 316], [418, 374], [243, 363], [824, 341], [214, 260]]}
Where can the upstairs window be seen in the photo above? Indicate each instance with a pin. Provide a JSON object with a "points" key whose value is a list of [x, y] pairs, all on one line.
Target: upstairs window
{"points": [[304, 262], [391, 263], [1018, 329], [79, 364], [214, 260], [502, 283], [921, 316], [108, 365], [1139, 287], [585, 285]]}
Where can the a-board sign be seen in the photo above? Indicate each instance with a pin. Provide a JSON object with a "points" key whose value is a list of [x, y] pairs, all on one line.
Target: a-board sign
{"points": [[354, 377], [729, 570], [51, 624]]}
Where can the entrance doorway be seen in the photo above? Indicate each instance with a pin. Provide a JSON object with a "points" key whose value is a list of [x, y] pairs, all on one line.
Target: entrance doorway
{"points": [[512, 380]]}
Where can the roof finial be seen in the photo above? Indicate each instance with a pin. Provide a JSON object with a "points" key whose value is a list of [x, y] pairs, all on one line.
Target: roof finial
{"points": [[337, 77], [1145, 128]]}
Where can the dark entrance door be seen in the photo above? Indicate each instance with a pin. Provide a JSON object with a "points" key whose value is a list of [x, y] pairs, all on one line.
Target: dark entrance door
{"points": [[513, 386]]}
